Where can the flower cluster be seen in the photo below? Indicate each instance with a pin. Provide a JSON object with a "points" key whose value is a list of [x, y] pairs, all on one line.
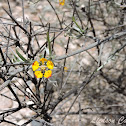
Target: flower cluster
{"points": [[43, 69], [62, 2]]}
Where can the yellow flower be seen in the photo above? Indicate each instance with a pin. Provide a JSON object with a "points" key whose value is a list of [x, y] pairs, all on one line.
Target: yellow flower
{"points": [[38, 74], [48, 73], [62, 2], [65, 69], [50, 64], [44, 67], [35, 65], [43, 60]]}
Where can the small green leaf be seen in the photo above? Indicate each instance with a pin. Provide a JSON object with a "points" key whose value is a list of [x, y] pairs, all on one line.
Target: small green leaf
{"points": [[21, 56], [82, 31], [16, 59]]}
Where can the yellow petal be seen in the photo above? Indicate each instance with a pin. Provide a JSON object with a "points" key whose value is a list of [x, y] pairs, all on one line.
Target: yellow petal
{"points": [[50, 64], [48, 73], [43, 60], [62, 2], [35, 66], [38, 74]]}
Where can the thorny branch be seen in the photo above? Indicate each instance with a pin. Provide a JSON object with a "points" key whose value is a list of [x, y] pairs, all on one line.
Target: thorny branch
{"points": [[40, 95]]}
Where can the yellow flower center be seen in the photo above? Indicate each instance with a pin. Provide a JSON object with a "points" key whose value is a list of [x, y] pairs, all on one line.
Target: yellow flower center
{"points": [[43, 67]]}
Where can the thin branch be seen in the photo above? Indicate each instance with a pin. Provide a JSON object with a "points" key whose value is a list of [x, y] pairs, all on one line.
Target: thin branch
{"points": [[116, 36], [56, 14]]}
